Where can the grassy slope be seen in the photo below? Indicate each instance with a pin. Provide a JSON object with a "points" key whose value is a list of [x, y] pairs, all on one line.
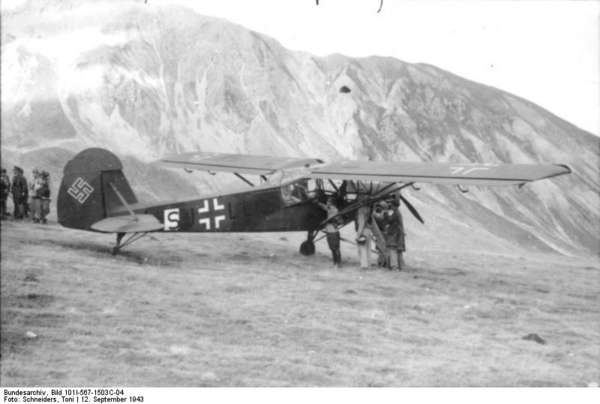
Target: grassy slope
{"points": [[247, 310]]}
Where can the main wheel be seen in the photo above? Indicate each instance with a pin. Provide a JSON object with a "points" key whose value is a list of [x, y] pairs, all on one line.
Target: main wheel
{"points": [[307, 248]]}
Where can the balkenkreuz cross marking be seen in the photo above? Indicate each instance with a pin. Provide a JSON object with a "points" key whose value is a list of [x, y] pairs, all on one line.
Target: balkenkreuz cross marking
{"points": [[205, 208]]}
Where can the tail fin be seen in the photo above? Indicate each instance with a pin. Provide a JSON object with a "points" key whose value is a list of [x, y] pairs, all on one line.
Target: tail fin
{"points": [[86, 195]]}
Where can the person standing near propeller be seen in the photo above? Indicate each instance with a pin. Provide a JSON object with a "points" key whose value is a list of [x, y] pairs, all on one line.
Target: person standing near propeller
{"points": [[332, 231], [400, 234], [391, 230], [364, 235], [378, 224]]}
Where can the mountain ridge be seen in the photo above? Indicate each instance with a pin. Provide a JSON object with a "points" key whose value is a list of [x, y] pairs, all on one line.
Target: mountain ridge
{"points": [[168, 80]]}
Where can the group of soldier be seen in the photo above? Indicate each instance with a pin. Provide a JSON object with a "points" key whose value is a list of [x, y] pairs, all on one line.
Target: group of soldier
{"points": [[29, 198], [383, 225], [380, 223]]}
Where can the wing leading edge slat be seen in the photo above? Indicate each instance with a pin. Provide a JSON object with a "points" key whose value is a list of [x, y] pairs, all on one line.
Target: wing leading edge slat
{"points": [[235, 163]]}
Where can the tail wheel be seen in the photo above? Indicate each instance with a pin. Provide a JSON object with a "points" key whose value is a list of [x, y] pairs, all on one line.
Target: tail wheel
{"points": [[307, 248]]}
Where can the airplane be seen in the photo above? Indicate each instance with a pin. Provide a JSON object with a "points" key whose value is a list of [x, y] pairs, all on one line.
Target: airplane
{"points": [[94, 194]]}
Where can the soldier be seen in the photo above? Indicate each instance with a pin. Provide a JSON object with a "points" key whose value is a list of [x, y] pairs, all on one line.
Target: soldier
{"points": [[390, 232], [34, 196], [401, 234], [332, 231], [44, 194], [364, 235], [378, 224], [394, 235], [20, 192], [4, 191]]}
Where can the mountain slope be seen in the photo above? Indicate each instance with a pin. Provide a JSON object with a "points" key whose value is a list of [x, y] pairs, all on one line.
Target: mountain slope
{"points": [[144, 81]]}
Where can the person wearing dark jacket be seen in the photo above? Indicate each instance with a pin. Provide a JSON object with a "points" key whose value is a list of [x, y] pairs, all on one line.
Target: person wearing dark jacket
{"points": [[378, 226], [390, 229], [332, 231], [20, 192], [44, 195], [4, 191], [393, 237]]}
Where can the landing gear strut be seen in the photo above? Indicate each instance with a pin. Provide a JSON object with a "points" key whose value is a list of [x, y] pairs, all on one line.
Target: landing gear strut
{"points": [[118, 245], [308, 247], [132, 238]]}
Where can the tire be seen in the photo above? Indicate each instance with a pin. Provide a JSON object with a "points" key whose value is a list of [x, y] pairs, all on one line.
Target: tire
{"points": [[307, 248]]}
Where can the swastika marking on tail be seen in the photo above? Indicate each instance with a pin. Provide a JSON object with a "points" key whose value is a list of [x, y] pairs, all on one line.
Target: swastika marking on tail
{"points": [[80, 190]]}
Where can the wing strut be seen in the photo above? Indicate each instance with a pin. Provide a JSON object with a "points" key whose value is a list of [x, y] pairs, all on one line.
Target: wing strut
{"points": [[133, 237], [246, 180], [334, 186]]}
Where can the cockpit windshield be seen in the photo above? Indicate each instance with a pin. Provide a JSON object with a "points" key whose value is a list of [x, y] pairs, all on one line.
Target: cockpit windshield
{"points": [[294, 184], [301, 190], [294, 192]]}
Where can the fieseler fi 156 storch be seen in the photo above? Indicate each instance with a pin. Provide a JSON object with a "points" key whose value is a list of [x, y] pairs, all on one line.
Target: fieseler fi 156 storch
{"points": [[95, 195]]}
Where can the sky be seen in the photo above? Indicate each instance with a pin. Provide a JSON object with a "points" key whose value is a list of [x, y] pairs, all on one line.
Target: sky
{"points": [[544, 51]]}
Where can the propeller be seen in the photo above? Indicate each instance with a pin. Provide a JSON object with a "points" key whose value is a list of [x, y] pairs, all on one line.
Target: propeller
{"points": [[382, 194], [411, 208]]}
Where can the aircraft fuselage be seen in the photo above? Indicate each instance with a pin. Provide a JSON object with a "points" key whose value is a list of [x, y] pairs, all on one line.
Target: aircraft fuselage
{"points": [[258, 210]]}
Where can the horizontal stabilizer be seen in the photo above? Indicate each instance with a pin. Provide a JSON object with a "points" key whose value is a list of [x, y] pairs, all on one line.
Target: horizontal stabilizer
{"points": [[128, 224]]}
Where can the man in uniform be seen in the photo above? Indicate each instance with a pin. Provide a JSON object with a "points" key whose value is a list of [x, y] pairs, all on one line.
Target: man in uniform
{"points": [[4, 191], [44, 194], [35, 199], [401, 234], [364, 235], [378, 224], [394, 235], [20, 192], [390, 230], [333, 234]]}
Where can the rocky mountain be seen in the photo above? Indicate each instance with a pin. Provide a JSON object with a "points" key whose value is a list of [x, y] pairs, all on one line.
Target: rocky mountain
{"points": [[147, 80]]}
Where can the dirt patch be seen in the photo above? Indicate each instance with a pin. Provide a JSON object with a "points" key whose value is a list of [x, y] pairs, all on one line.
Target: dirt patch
{"points": [[30, 301], [143, 258], [31, 278], [46, 320]]}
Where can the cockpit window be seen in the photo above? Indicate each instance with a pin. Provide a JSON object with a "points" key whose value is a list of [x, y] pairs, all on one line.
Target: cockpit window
{"points": [[295, 192]]}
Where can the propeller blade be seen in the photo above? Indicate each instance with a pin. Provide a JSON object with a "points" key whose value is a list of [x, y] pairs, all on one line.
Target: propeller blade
{"points": [[412, 209]]}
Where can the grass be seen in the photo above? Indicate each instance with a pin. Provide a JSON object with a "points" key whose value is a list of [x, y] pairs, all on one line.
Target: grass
{"points": [[248, 310]]}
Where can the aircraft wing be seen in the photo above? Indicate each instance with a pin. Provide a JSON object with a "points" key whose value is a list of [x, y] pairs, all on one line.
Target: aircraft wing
{"points": [[235, 163], [439, 173], [436, 173]]}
